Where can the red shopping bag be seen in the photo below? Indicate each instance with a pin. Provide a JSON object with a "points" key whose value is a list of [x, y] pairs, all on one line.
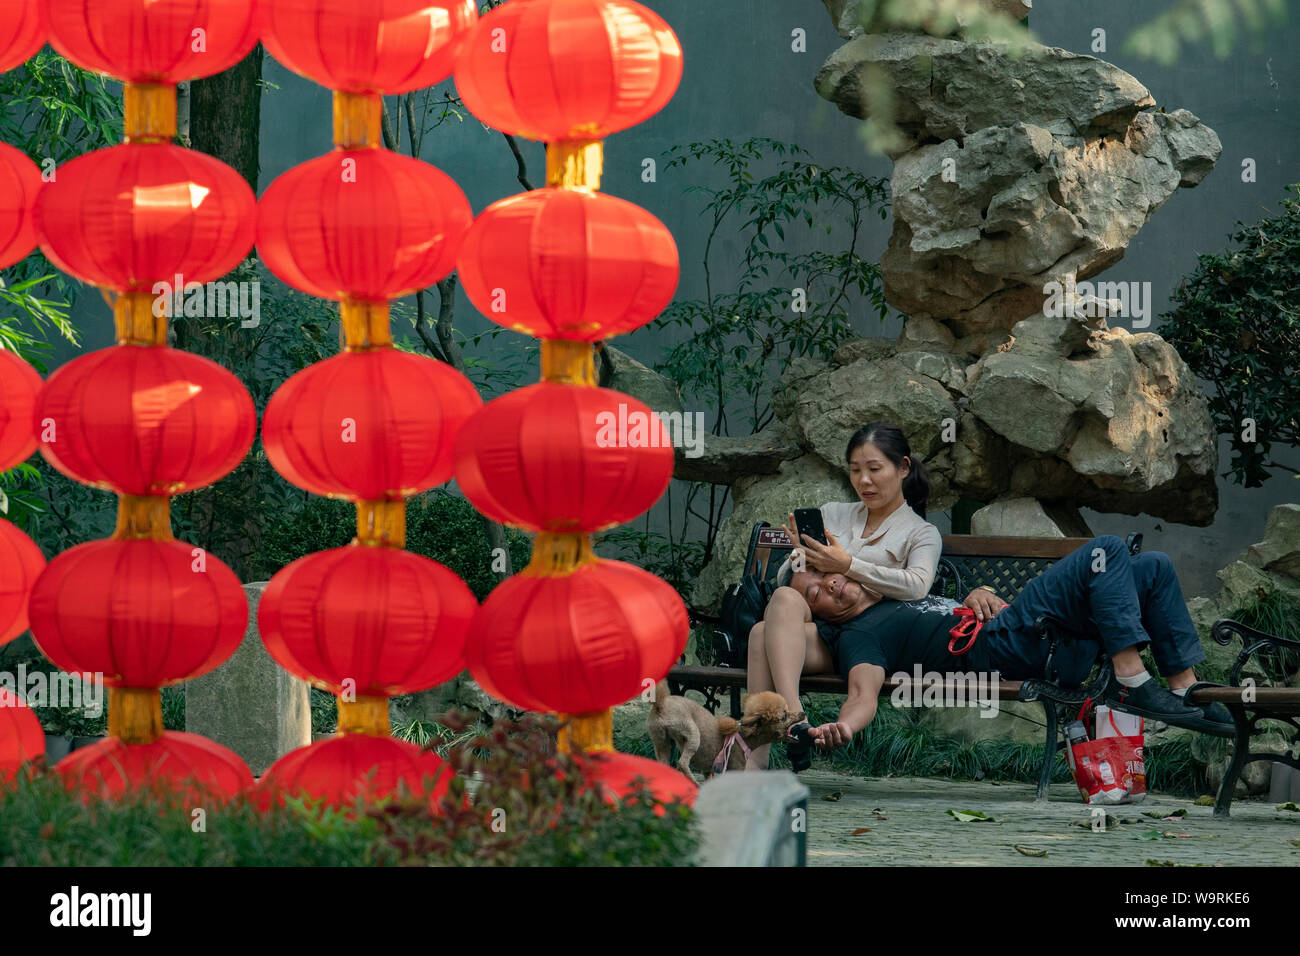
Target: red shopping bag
{"points": [[1110, 770]]}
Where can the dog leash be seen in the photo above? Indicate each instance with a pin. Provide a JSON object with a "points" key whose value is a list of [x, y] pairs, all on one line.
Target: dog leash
{"points": [[968, 627], [724, 755]]}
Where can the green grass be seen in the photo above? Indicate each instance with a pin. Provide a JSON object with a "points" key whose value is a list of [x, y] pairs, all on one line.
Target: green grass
{"points": [[550, 816]]}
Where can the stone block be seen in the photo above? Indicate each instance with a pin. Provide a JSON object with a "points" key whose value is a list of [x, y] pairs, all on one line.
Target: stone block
{"points": [[752, 819], [250, 703]]}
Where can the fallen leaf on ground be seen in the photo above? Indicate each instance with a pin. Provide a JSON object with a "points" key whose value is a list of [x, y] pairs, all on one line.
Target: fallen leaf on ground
{"points": [[1165, 814], [1204, 801], [1112, 821], [1181, 836], [1151, 835], [861, 830], [1129, 820], [880, 816], [833, 796], [1029, 851], [971, 816], [1294, 842], [1290, 805]]}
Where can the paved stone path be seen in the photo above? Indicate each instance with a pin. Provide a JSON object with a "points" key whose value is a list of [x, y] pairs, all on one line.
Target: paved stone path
{"points": [[917, 829]]}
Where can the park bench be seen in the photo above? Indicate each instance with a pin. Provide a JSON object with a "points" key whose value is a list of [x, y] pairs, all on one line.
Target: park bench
{"points": [[1006, 564]]}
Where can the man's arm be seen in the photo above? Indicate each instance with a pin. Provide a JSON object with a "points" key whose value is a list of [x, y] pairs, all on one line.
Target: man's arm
{"points": [[865, 681]]}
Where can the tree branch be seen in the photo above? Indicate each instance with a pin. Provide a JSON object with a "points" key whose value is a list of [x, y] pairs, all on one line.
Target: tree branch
{"points": [[522, 174]]}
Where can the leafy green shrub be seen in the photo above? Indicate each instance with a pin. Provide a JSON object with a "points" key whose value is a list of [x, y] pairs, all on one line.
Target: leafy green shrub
{"points": [[544, 816], [1235, 324], [439, 525]]}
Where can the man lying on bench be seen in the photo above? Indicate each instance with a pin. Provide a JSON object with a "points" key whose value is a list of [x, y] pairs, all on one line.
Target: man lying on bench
{"points": [[1114, 602]]}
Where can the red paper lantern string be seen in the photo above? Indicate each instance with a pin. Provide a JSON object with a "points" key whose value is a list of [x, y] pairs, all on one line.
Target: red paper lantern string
{"points": [[153, 41], [388, 621], [19, 387], [362, 224], [20, 183], [356, 768], [568, 69], [202, 772], [564, 458], [21, 563], [392, 47], [618, 774], [22, 32], [135, 217], [368, 426], [566, 263], [576, 642], [21, 737], [144, 421], [144, 613]]}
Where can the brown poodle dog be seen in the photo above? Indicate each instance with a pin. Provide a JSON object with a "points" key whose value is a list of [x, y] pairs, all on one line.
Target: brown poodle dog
{"points": [[700, 736]]}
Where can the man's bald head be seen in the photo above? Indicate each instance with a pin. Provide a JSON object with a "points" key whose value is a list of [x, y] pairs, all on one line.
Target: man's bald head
{"points": [[831, 597]]}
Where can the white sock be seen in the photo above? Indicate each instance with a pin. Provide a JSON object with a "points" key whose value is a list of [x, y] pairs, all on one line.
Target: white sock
{"points": [[1137, 680], [1179, 692]]}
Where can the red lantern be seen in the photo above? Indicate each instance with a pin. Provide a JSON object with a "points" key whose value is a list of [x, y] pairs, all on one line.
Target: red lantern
{"points": [[356, 767], [389, 47], [564, 458], [390, 621], [21, 563], [153, 41], [20, 183], [21, 736], [368, 426], [578, 642], [568, 69], [363, 224], [204, 772], [22, 32], [19, 386], [569, 264], [144, 613], [616, 774], [144, 420], [136, 216]]}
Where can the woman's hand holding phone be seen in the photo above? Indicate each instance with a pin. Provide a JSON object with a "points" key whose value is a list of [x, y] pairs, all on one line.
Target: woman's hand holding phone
{"points": [[827, 558]]}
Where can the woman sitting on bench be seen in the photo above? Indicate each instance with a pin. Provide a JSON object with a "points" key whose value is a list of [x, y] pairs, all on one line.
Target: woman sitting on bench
{"points": [[1114, 602], [882, 543]]}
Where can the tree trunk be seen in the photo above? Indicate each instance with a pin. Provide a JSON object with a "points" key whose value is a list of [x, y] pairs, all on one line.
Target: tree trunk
{"points": [[225, 115]]}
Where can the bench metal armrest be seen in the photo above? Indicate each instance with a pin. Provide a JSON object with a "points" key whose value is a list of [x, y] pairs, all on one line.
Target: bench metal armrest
{"points": [[1253, 641]]}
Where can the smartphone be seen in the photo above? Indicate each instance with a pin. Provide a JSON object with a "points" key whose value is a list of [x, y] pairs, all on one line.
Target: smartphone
{"points": [[808, 521]]}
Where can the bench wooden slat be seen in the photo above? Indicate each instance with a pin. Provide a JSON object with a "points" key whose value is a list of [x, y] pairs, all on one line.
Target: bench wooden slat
{"points": [[809, 683], [965, 545], [1266, 698]]}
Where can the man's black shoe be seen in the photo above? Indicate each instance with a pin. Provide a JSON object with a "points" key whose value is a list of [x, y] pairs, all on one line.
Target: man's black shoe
{"points": [[1213, 711], [1154, 702]]}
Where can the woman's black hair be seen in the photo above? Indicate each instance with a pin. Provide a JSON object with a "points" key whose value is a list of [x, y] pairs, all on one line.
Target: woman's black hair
{"points": [[893, 444]]}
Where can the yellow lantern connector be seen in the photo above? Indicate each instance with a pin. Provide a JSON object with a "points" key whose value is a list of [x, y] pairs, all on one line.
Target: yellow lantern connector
{"points": [[570, 363], [143, 517], [358, 120], [135, 714], [590, 732], [365, 325], [575, 163], [381, 523], [149, 112], [365, 715], [135, 319]]}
